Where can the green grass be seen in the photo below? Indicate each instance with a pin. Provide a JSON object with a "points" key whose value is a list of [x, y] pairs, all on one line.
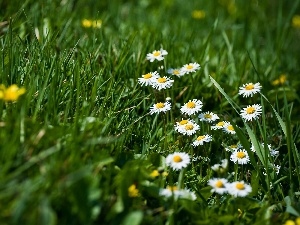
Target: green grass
{"points": [[81, 135]]}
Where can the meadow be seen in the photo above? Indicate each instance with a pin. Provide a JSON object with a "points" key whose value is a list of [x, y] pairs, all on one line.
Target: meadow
{"points": [[149, 112]]}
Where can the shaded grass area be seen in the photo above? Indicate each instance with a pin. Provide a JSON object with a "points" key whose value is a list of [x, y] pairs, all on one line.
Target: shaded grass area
{"points": [[81, 135]]}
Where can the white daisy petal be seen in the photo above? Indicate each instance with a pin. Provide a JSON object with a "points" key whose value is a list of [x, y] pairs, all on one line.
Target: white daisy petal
{"points": [[219, 125], [190, 68], [187, 127], [240, 157], [238, 189], [158, 55], [178, 160], [176, 72], [228, 128], [160, 107], [191, 107], [208, 117], [218, 185], [162, 83], [148, 79], [251, 112], [201, 139], [249, 89]]}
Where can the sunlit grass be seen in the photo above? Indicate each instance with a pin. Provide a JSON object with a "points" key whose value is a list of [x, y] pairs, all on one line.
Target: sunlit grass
{"points": [[149, 112]]}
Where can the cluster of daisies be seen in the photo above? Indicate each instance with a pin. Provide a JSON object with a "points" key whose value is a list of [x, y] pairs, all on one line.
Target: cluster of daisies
{"points": [[251, 112], [189, 127], [222, 186]]}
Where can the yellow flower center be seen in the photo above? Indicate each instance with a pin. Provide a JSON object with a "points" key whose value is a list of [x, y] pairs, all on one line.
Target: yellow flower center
{"points": [[296, 21], [177, 159], [189, 127], [207, 116], [230, 127], [154, 173], [172, 188], [160, 105], [190, 66], [250, 110], [156, 53], [183, 122], [220, 124], [190, 105], [161, 80], [200, 138], [233, 146], [176, 72], [240, 186], [147, 76], [249, 87], [133, 191], [219, 184], [240, 155], [198, 14]]}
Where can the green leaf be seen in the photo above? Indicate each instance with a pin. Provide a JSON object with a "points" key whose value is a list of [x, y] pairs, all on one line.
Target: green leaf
{"points": [[133, 218]]}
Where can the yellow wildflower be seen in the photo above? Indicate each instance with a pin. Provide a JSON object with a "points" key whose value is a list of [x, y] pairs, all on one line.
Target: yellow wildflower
{"points": [[297, 221], [12, 93], [289, 222], [91, 23], [198, 14], [281, 80], [296, 21], [133, 191], [154, 173]]}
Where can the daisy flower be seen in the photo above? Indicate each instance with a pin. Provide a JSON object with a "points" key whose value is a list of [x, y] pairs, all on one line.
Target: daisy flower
{"points": [[228, 128], [174, 191], [218, 185], [208, 117], [190, 68], [251, 112], [178, 160], [219, 125], [187, 194], [220, 167], [239, 189], [158, 55], [187, 128], [275, 168], [201, 139], [191, 107], [148, 78], [249, 89], [232, 148], [176, 72], [162, 83], [272, 151], [240, 156], [169, 192], [160, 107], [182, 123]]}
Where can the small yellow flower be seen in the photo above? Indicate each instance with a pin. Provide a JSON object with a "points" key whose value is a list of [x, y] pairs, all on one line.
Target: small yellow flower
{"points": [[296, 21], [289, 222], [279, 81], [154, 173], [12, 93], [133, 191], [91, 23], [164, 174], [198, 14], [297, 221]]}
